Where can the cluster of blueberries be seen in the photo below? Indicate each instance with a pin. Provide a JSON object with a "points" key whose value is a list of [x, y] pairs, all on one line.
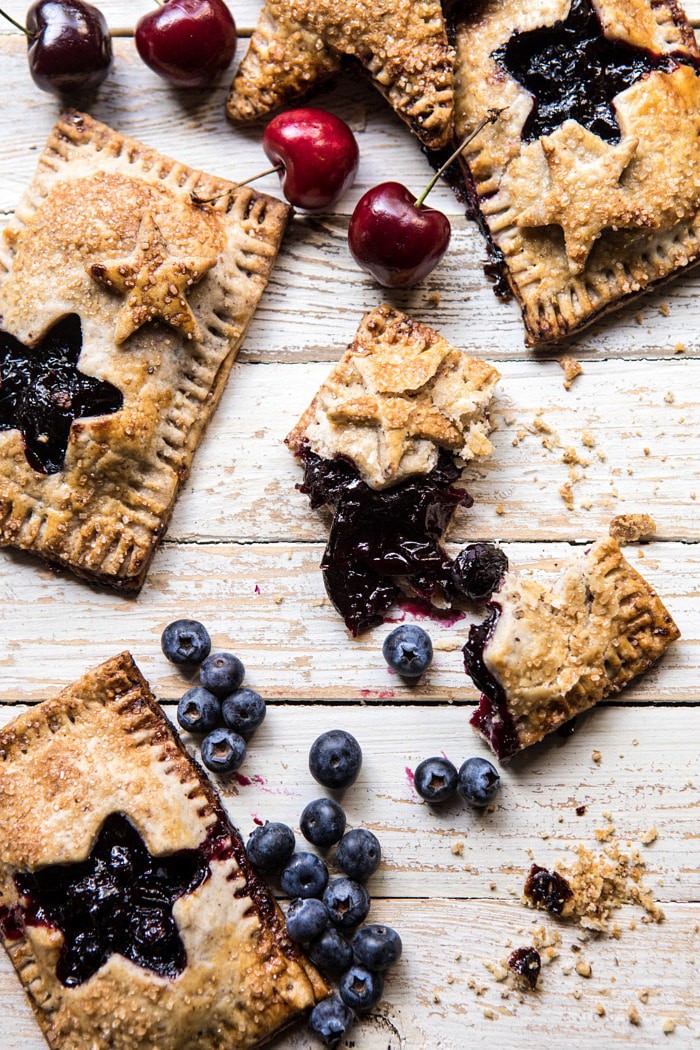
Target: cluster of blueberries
{"points": [[217, 699], [324, 912]]}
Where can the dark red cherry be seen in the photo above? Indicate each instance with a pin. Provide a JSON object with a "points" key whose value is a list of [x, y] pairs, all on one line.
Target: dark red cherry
{"points": [[188, 42], [396, 239], [70, 48], [317, 153]]}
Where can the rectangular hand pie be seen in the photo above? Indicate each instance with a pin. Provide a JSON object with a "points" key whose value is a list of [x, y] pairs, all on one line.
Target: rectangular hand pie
{"points": [[127, 282], [588, 183], [380, 444], [127, 903], [544, 655]]}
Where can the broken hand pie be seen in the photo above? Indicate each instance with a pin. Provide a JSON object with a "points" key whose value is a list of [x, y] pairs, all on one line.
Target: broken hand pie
{"points": [[380, 444], [402, 44], [127, 903], [544, 655], [588, 184], [123, 301]]}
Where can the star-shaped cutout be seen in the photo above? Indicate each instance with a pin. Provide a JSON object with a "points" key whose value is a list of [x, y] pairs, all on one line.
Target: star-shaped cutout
{"points": [[575, 72], [118, 901], [154, 282], [585, 196], [42, 392]]}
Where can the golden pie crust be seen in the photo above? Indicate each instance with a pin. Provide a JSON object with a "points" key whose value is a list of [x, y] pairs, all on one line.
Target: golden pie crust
{"points": [[401, 43], [104, 746], [398, 395], [583, 225], [114, 232]]}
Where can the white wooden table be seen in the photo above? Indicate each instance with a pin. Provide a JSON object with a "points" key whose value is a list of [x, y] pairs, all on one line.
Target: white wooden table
{"points": [[242, 555]]}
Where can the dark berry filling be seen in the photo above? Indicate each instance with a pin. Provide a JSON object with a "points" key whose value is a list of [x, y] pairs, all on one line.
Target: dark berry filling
{"points": [[575, 72], [526, 963], [547, 889], [492, 717], [380, 537], [118, 901], [42, 392]]}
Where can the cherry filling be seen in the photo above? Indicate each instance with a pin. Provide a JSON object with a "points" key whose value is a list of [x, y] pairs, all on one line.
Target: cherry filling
{"points": [[119, 900], [492, 717], [380, 537], [42, 392], [575, 72]]}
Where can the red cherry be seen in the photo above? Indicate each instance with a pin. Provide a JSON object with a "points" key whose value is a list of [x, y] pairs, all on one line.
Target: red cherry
{"points": [[188, 42], [395, 239], [318, 154]]}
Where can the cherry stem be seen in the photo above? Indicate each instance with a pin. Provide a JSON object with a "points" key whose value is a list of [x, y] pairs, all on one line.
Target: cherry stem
{"points": [[12, 22], [490, 117], [261, 174]]}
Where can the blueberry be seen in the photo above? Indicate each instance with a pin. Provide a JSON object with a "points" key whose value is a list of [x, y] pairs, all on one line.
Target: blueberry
{"points": [[304, 875], [335, 759], [408, 650], [330, 1020], [322, 822], [360, 989], [221, 674], [306, 919], [185, 642], [478, 782], [223, 750], [435, 779], [243, 711], [270, 846], [198, 711], [358, 853], [478, 570], [347, 902], [377, 947], [331, 953]]}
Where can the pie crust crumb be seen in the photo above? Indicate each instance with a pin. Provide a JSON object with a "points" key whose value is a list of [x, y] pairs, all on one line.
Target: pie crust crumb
{"points": [[630, 528]]}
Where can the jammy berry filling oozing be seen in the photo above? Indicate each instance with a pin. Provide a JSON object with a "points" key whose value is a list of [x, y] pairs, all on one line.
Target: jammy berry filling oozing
{"points": [[492, 717]]}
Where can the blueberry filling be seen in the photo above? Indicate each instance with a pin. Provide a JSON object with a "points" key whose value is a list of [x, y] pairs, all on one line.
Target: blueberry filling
{"points": [[547, 889], [575, 72], [42, 392], [117, 901], [380, 537], [492, 717], [526, 963]]}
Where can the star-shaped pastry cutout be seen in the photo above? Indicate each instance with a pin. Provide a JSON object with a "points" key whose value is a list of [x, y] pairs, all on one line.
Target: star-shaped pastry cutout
{"points": [[585, 196], [155, 283], [117, 901], [403, 45], [42, 392]]}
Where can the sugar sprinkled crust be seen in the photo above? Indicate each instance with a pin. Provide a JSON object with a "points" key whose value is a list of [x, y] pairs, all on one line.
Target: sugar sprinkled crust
{"points": [[402, 44], [243, 981], [566, 260], [99, 204], [399, 394]]}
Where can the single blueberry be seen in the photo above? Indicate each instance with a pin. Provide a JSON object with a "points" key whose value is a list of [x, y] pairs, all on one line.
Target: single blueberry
{"points": [[221, 674], [335, 759], [377, 947], [479, 782], [270, 846], [243, 711], [198, 711], [408, 650], [304, 875], [185, 642], [478, 569], [322, 822], [360, 989], [330, 1020], [435, 779], [347, 902], [358, 853], [331, 953], [307, 918], [223, 751]]}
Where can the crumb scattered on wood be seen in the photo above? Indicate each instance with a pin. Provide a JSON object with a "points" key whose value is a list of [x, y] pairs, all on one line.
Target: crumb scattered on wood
{"points": [[572, 369], [668, 1026], [630, 528], [458, 848], [596, 756], [649, 836], [583, 968], [633, 1016]]}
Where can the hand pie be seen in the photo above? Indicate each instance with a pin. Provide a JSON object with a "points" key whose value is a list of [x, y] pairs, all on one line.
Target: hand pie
{"points": [[127, 903], [544, 655], [402, 45], [588, 184], [127, 282], [380, 444]]}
